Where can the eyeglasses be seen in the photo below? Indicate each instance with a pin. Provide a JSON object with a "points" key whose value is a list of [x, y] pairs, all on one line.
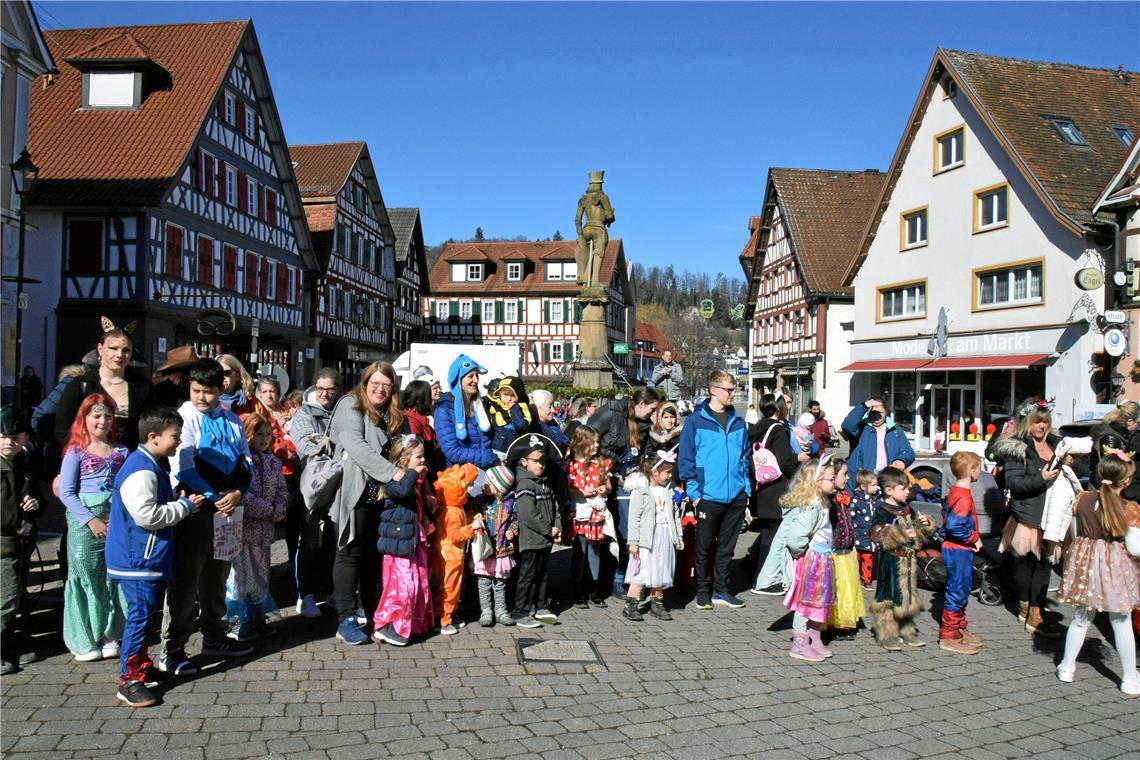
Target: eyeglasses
{"points": [[319, 389], [729, 388], [540, 459], [379, 385]]}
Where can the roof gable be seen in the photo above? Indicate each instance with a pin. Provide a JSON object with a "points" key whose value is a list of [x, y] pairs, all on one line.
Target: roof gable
{"points": [[323, 169], [535, 255]]}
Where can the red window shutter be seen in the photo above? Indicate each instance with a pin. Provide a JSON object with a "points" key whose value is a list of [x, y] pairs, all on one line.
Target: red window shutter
{"points": [[282, 283], [263, 291], [173, 251], [229, 267], [251, 280], [243, 191], [297, 287], [239, 115], [205, 260], [222, 106], [262, 193], [271, 204], [220, 177]]}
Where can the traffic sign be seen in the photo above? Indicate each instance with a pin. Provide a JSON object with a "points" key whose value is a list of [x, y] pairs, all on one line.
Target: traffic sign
{"points": [[621, 348]]}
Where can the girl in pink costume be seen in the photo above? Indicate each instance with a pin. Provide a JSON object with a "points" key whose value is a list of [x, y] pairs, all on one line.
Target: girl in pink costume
{"points": [[812, 591]]}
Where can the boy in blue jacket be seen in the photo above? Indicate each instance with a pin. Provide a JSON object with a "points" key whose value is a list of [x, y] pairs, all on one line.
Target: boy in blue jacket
{"points": [[140, 541], [213, 461]]}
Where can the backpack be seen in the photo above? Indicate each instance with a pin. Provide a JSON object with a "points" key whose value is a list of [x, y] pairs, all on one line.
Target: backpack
{"points": [[764, 462]]}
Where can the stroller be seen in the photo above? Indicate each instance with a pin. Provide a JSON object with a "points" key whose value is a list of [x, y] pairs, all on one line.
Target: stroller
{"points": [[932, 570]]}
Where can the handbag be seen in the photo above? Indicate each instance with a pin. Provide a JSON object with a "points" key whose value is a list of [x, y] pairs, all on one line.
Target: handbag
{"points": [[481, 545], [321, 476], [764, 462]]}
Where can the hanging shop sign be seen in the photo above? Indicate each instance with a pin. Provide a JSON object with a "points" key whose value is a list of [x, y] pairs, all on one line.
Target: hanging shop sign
{"points": [[1090, 278], [707, 308]]}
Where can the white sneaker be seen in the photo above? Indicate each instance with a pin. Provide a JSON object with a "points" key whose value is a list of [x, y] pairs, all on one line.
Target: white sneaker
{"points": [[110, 650], [92, 656], [1131, 687], [307, 607], [1066, 676]]}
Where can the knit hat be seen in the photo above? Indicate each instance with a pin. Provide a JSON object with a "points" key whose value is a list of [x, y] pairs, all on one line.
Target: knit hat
{"points": [[500, 478], [462, 366], [806, 420], [11, 422]]}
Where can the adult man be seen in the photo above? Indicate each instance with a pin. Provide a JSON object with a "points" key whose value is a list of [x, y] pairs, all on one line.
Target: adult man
{"points": [[820, 431], [876, 441], [668, 377], [314, 557], [713, 465]]}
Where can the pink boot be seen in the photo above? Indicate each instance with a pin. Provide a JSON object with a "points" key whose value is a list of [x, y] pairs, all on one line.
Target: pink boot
{"points": [[802, 649], [816, 643]]}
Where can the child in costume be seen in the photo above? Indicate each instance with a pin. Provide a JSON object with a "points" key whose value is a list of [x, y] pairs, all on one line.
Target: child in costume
{"points": [[449, 541], [960, 541], [538, 528], [508, 409], [248, 600], [654, 534], [899, 532], [812, 590], [848, 608], [588, 473], [18, 508], [864, 502], [1101, 569], [502, 527], [92, 603], [405, 608]]}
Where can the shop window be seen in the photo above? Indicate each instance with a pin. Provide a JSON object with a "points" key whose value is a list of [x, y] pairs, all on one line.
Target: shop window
{"points": [[1010, 286], [906, 301]]}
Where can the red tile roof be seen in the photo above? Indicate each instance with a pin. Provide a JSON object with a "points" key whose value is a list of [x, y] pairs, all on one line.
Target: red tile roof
{"points": [[323, 169], [321, 217], [652, 334], [825, 212], [126, 157], [496, 254]]}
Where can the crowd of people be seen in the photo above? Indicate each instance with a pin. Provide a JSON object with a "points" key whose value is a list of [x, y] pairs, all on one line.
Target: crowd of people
{"points": [[393, 499]]}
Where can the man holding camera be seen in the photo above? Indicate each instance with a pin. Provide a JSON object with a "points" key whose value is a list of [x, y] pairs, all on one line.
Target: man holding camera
{"points": [[876, 441], [668, 378]]}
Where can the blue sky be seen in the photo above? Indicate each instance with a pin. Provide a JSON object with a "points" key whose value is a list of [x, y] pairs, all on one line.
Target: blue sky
{"points": [[492, 114]]}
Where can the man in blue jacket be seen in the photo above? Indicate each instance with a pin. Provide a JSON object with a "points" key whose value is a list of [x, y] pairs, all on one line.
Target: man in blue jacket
{"points": [[713, 465], [876, 442]]}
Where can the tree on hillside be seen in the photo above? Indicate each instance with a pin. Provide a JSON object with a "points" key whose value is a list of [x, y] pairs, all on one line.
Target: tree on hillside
{"points": [[557, 235], [478, 234], [654, 314]]}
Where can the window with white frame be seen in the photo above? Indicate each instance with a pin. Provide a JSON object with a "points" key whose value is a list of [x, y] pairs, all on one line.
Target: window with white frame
{"points": [[903, 301], [474, 272], [465, 310], [250, 125], [559, 271], [231, 108], [231, 185], [1011, 286], [556, 311], [111, 89], [991, 208], [488, 312], [441, 312], [914, 228], [555, 352], [251, 190], [949, 150], [511, 311], [514, 271], [459, 273]]}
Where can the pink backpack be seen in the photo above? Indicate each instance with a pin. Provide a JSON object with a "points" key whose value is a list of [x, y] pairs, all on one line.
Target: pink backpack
{"points": [[764, 461]]}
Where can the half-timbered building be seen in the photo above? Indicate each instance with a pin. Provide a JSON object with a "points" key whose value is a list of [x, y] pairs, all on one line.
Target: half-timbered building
{"points": [[797, 253], [166, 197], [411, 278], [524, 294], [355, 248]]}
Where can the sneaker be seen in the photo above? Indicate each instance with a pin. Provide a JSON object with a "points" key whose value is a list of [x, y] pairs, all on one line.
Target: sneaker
{"points": [[892, 646], [844, 634], [110, 650], [307, 607], [599, 603], [176, 663], [448, 630], [136, 694], [957, 646], [727, 600], [388, 635], [527, 621], [349, 632], [703, 602], [92, 656], [1066, 676], [225, 647], [1131, 687], [487, 618], [867, 586], [913, 641], [244, 632], [27, 658], [7, 667], [504, 618], [657, 610], [582, 604], [630, 611], [547, 616], [773, 590]]}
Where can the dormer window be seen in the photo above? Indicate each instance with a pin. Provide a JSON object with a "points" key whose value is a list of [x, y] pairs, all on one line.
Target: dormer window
{"points": [[112, 89], [466, 272], [474, 272], [1068, 130], [514, 271]]}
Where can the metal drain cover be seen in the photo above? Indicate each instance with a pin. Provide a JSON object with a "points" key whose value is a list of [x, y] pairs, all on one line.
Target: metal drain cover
{"points": [[557, 650]]}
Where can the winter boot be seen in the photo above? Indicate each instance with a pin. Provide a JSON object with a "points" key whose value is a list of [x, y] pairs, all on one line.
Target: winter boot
{"points": [[1022, 612], [499, 592], [630, 612], [657, 609], [1037, 625], [802, 649], [486, 602], [815, 642], [970, 638]]}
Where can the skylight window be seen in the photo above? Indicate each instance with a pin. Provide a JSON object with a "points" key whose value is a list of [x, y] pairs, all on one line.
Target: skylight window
{"points": [[1068, 130], [1124, 134]]}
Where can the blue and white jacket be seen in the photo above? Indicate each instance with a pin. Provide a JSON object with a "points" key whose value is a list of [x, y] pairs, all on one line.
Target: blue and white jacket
{"points": [[140, 530], [713, 461], [213, 452]]}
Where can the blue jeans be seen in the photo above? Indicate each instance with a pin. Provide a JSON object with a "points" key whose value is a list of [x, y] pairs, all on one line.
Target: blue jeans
{"points": [[143, 597], [622, 499], [587, 554]]}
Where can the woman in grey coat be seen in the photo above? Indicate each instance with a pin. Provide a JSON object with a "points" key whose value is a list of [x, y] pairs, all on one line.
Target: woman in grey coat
{"points": [[363, 423]]}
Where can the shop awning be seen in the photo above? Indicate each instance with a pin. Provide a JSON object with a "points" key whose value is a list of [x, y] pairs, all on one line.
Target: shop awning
{"points": [[885, 365], [1013, 361]]}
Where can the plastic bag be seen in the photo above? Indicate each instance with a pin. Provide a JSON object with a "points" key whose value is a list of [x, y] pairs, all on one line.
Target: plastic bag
{"points": [[227, 534]]}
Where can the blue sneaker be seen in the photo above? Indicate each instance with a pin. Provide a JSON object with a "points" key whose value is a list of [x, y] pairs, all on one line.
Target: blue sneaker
{"points": [[349, 632], [727, 600]]}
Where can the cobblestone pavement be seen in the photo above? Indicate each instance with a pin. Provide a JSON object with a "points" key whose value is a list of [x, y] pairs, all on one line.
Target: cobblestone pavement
{"points": [[707, 685]]}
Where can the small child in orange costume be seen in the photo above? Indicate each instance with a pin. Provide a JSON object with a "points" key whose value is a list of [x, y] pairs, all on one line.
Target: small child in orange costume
{"points": [[452, 531]]}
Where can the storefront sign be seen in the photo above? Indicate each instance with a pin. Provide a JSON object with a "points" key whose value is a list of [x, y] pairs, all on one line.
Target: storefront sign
{"points": [[621, 348], [1090, 279], [1043, 341], [1115, 343]]}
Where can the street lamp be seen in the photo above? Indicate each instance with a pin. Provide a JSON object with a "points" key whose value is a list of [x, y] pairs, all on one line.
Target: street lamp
{"points": [[24, 174], [799, 380]]}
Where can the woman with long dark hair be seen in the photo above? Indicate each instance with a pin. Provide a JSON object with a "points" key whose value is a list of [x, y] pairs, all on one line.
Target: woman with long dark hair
{"points": [[416, 402]]}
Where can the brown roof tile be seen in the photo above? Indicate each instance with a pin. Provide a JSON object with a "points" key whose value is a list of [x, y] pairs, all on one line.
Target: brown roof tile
{"points": [[126, 157], [496, 254], [323, 169], [825, 212], [321, 217]]}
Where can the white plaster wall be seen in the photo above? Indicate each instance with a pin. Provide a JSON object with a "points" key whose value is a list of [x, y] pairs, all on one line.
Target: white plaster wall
{"points": [[833, 388], [42, 261]]}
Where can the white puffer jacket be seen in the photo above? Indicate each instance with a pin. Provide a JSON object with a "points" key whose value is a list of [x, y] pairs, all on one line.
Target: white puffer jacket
{"points": [[1062, 495]]}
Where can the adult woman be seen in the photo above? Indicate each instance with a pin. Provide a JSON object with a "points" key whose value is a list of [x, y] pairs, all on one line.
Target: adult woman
{"points": [[1025, 456], [363, 424], [461, 423], [772, 432], [129, 389], [624, 425], [1124, 423], [415, 400], [238, 388], [543, 420]]}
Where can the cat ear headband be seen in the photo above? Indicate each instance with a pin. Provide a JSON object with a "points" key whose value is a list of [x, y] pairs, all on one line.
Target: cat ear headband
{"points": [[109, 326], [1118, 453]]}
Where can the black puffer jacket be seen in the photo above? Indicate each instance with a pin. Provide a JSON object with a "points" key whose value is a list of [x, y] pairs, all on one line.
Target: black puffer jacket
{"points": [[1131, 443], [611, 422], [1021, 468], [767, 496]]}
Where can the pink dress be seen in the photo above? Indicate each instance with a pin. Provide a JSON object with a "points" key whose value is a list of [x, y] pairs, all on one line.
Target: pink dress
{"points": [[812, 592], [406, 599]]}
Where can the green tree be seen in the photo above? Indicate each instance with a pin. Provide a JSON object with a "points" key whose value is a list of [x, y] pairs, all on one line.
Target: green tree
{"points": [[557, 235], [478, 234]]}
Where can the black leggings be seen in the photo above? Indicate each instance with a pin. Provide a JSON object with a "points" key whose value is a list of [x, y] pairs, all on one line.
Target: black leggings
{"points": [[1031, 575]]}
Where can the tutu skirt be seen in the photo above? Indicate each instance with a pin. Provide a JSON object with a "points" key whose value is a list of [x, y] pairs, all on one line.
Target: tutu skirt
{"points": [[1101, 575], [848, 608], [406, 599], [813, 586], [1021, 539], [247, 589]]}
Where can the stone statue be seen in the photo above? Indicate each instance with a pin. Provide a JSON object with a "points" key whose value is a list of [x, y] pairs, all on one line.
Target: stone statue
{"points": [[592, 236]]}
